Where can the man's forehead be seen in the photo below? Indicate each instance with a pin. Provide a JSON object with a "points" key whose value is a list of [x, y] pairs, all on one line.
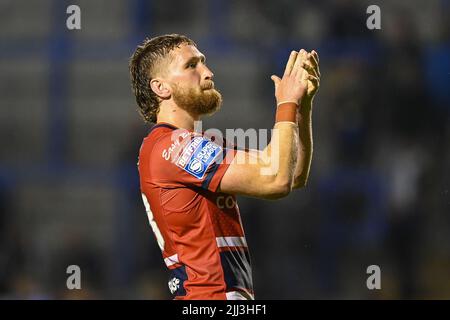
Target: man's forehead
{"points": [[185, 52]]}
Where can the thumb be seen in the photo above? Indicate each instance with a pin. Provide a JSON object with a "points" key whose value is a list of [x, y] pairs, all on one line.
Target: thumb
{"points": [[276, 80]]}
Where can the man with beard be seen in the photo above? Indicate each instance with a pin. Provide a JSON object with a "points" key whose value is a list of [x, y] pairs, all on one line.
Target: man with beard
{"points": [[189, 181]]}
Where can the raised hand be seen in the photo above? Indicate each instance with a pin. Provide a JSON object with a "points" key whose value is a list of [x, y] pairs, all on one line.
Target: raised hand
{"points": [[310, 63], [293, 86]]}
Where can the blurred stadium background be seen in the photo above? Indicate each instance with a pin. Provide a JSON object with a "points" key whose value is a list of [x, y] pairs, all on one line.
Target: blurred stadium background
{"points": [[379, 187]]}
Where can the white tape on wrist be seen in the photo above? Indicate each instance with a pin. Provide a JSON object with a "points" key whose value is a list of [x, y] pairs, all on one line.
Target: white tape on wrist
{"points": [[279, 103]]}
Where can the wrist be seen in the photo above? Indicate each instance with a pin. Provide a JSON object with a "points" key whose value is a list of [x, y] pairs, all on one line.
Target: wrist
{"points": [[287, 111]]}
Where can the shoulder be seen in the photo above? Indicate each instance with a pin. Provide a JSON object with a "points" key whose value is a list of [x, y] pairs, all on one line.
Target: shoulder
{"points": [[161, 136]]}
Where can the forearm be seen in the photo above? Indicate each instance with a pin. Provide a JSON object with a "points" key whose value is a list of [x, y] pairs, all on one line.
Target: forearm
{"points": [[305, 148], [268, 173], [280, 156]]}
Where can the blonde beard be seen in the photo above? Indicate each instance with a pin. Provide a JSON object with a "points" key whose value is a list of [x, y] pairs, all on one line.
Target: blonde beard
{"points": [[197, 101]]}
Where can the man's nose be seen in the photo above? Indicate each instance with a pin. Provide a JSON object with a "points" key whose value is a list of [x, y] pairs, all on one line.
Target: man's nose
{"points": [[207, 74]]}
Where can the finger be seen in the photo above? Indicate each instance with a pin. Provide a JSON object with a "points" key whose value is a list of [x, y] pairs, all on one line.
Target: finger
{"points": [[310, 65], [313, 58], [276, 80], [314, 80], [290, 63], [310, 70], [316, 55], [297, 70], [304, 63], [307, 65]]}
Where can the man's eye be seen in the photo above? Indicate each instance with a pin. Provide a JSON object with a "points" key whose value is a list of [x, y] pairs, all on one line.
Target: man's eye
{"points": [[192, 65]]}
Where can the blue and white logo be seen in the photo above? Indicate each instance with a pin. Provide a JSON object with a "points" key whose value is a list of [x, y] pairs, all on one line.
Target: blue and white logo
{"points": [[195, 166], [198, 156]]}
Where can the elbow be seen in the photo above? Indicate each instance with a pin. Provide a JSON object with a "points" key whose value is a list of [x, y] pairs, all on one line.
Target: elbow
{"points": [[279, 190]]}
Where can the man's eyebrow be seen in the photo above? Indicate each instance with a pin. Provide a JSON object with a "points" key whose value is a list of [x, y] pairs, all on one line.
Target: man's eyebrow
{"points": [[201, 58]]}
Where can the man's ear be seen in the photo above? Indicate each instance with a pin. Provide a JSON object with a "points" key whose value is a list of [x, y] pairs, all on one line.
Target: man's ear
{"points": [[161, 88]]}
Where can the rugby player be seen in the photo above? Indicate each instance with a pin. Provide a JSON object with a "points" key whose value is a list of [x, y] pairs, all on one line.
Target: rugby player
{"points": [[189, 182]]}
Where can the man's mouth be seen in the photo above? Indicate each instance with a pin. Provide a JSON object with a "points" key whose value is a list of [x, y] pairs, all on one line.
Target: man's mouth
{"points": [[208, 85]]}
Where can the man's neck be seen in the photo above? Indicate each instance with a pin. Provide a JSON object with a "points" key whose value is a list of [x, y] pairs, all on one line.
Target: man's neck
{"points": [[177, 117]]}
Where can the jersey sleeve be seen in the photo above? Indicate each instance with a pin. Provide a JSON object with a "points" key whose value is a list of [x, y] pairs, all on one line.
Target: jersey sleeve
{"points": [[182, 158]]}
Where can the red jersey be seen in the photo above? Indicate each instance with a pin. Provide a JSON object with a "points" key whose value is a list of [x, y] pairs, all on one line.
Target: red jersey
{"points": [[198, 229]]}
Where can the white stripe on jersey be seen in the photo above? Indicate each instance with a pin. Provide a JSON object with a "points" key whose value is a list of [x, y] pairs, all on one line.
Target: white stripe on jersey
{"points": [[171, 260], [236, 295], [231, 242]]}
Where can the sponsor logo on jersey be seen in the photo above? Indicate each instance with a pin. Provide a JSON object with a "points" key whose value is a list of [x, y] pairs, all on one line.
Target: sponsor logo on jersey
{"points": [[195, 166], [188, 151], [198, 156], [177, 138]]}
